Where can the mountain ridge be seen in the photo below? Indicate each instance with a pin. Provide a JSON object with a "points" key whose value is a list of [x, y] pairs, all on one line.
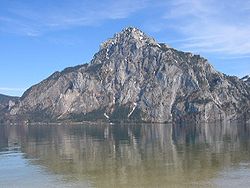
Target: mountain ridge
{"points": [[134, 78]]}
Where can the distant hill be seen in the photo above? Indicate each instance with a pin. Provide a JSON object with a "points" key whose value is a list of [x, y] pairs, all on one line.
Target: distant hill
{"points": [[6, 103], [5, 99], [134, 78]]}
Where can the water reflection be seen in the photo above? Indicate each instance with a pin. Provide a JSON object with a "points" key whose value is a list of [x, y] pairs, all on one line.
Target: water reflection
{"points": [[135, 155]]}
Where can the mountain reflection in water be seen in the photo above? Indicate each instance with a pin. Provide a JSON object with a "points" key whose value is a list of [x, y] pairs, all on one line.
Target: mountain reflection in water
{"points": [[134, 155]]}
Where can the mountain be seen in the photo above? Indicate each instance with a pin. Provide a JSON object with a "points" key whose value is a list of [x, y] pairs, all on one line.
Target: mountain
{"points": [[134, 78], [6, 103]]}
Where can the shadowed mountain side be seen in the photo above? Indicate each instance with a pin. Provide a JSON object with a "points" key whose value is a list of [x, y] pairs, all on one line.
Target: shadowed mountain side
{"points": [[6, 103]]}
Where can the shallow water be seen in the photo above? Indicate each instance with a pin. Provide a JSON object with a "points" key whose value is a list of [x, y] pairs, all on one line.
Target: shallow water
{"points": [[125, 155]]}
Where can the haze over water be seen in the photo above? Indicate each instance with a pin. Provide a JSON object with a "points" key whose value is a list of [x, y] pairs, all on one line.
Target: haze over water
{"points": [[125, 155]]}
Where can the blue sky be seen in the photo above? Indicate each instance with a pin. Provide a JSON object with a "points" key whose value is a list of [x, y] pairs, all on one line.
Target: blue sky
{"points": [[38, 38]]}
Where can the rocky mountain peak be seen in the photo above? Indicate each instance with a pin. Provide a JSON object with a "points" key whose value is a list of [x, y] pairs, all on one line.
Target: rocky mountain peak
{"points": [[128, 36], [135, 33]]}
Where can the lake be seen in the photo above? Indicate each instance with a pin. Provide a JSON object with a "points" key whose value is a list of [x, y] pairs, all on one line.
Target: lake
{"points": [[125, 155]]}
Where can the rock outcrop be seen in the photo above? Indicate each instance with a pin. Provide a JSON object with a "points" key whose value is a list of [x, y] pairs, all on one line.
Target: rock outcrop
{"points": [[135, 78]]}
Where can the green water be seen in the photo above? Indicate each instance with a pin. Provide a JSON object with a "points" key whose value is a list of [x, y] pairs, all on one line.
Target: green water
{"points": [[125, 155]]}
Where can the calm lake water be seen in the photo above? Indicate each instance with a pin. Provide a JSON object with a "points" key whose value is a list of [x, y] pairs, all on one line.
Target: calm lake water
{"points": [[125, 155]]}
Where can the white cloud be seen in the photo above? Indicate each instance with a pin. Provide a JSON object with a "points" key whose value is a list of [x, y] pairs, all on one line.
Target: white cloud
{"points": [[211, 26], [183, 8], [11, 89], [35, 20], [202, 25]]}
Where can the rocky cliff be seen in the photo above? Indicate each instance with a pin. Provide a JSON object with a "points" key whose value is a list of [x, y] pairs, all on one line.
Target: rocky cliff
{"points": [[135, 78]]}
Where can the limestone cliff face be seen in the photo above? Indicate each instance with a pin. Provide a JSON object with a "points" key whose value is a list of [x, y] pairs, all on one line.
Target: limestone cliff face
{"points": [[134, 78]]}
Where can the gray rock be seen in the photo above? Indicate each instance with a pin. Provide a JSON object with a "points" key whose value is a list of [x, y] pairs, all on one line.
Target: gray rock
{"points": [[134, 78]]}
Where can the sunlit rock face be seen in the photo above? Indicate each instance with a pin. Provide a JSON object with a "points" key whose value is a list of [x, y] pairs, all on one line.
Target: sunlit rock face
{"points": [[135, 78]]}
